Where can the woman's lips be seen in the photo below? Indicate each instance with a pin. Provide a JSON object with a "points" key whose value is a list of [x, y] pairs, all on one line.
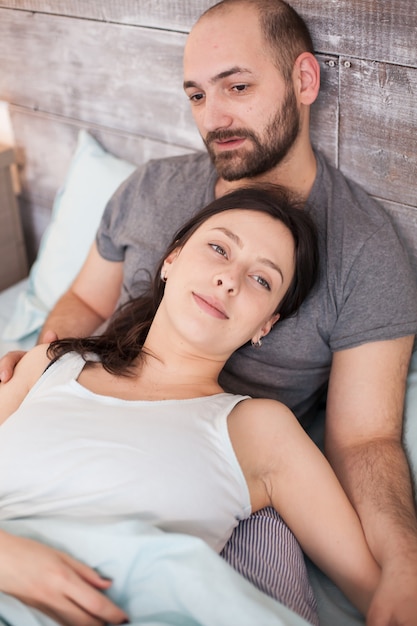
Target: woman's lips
{"points": [[211, 306]]}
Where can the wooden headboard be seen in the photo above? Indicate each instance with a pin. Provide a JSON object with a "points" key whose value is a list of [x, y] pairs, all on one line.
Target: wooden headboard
{"points": [[115, 67]]}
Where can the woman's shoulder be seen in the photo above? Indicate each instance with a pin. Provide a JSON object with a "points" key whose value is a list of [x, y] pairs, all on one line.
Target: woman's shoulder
{"points": [[33, 363], [26, 374], [255, 423], [261, 409]]}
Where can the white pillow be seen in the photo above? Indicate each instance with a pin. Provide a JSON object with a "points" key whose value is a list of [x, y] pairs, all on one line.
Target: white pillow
{"points": [[93, 177]]}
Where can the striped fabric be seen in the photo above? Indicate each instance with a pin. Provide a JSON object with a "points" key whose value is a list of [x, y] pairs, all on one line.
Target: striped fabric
{"points": [[264, 550]]}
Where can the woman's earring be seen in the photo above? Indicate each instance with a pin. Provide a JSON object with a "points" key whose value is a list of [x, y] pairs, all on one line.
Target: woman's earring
{"points": [[163, 276], [256, 344]]}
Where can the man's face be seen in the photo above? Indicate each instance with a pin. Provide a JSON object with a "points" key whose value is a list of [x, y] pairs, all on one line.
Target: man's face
{"points": [[247, 115]]}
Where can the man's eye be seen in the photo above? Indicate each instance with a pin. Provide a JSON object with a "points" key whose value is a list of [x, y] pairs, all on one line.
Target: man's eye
{"points": [[196, 97], [239, 87], [263, 282], [219, 249]]}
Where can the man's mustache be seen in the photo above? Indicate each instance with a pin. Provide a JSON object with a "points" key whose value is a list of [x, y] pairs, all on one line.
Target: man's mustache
{"points": [[224, 135]]}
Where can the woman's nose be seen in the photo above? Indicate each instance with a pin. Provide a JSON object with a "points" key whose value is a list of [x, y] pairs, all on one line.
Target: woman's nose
{"points": [[228, 282]]}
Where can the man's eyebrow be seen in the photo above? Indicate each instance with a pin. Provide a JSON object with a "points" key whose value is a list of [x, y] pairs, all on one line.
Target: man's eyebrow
{"points": [[225, 74], [239, 243]]}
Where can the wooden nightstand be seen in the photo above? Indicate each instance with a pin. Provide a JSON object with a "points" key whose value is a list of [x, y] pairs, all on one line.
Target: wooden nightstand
{"points": [[13, 262]]}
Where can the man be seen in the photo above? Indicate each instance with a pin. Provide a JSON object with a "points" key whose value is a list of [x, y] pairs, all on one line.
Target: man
{"points": [[251, 78]]}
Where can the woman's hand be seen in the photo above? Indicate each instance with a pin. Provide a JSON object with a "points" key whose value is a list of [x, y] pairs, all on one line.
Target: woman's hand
{"points": [[55, 583]]}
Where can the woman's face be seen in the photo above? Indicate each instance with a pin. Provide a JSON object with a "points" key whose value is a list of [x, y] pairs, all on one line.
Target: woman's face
{"points": [[224, 285]]}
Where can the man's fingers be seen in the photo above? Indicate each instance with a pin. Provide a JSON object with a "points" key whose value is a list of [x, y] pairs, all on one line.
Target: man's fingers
{"points": [[7, 364], [48, 336]]}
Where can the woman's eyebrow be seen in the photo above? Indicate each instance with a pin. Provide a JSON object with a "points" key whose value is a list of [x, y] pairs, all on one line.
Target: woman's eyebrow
{"points": [[230, 234]]}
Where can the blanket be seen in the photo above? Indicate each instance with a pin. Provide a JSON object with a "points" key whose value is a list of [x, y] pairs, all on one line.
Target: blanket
{"points": [[159, 579]]}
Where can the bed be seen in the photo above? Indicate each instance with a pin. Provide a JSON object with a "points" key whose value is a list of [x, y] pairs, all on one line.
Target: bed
{"points": [[205, 590], [8, 300], [23, 308], [364, 122]]}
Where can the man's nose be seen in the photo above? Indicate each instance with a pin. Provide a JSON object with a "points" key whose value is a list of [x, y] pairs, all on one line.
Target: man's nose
{"points": [[216, 115]]}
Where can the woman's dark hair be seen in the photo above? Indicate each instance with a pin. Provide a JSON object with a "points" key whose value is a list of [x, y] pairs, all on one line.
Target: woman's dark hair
{"points": [[123, 339]]}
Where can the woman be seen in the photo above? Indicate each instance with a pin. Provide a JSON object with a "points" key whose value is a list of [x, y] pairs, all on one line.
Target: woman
{"points": [[133, 423]]}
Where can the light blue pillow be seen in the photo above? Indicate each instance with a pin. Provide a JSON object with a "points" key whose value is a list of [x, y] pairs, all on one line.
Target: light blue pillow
{"points": [[93, 177]]}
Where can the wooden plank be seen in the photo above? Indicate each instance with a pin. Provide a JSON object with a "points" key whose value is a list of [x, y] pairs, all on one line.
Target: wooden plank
{"points": [[129, 79], [120, 77], [325, 111], [46, 145], [378, 122], [178, 15], [371, 29], [383, 30]]}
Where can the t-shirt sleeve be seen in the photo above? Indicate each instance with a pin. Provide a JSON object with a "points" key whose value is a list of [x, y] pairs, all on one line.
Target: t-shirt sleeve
{"points": [[377, 299], [111, 225]]}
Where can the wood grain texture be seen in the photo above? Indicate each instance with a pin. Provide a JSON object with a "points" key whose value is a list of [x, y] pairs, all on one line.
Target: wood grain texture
{"points": [[49, 143], [115, 67], [120, 77], [380, 30], [378, 124]]}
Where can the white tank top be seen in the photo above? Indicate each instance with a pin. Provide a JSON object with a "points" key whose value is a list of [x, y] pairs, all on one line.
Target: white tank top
{"points": [[68, 452]]}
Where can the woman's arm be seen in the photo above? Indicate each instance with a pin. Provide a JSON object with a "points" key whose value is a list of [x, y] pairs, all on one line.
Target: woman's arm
{"points": [[27, 372], [60, 586], [285, 469]]}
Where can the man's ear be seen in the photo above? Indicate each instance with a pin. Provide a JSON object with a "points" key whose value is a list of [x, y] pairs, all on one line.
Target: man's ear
{"points": [[307, 77]]}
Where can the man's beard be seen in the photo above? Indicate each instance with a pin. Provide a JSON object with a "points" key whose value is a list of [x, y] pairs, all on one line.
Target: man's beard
{"points": [[279, 137]]}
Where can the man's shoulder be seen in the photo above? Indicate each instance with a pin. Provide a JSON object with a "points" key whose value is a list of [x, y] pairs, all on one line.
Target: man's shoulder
{"points": [[180, 166], [160, 179], [339, 200]]}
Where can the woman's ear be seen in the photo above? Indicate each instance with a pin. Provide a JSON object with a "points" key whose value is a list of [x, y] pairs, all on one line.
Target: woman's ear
{"points": [[266, 328], [170, 260]]}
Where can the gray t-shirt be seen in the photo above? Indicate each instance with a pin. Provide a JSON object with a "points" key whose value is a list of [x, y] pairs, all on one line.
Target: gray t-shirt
{"points": [[366, 290]]}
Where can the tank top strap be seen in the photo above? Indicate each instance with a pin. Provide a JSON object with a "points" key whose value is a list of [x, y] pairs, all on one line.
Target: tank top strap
{"points": [[63, 370]]}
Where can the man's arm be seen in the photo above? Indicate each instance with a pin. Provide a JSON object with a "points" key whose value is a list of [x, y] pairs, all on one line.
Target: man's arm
{"points": [[364, 445], [89, 301]]}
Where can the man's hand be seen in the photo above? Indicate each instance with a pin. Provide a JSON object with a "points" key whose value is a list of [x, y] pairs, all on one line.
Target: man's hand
{"points": [[7, 364], [364, 424], [47, 336], [56, 584], [395, 600], [9, 361]]}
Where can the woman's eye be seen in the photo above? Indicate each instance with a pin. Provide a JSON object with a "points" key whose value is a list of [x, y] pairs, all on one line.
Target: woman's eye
{"points": [[264, 283], [219, 249]]}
